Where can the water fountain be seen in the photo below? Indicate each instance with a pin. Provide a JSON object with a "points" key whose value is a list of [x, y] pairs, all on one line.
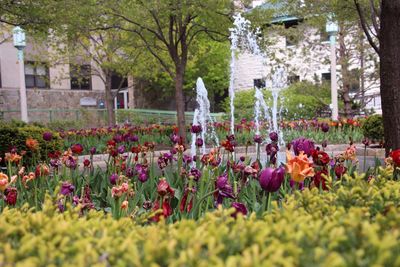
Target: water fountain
{"points": [[203, 118], [242, 37]]}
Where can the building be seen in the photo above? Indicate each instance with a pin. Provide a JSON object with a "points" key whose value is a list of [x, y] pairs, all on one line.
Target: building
{"points": [[306, 59], [53, 85]]}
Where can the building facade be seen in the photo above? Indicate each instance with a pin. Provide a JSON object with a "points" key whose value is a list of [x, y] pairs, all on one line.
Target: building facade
{"points": [[52, 84], [308, 59]]}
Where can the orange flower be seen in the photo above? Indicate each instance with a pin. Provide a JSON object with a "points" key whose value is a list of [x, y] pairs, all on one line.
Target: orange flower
{"points": [[124, 205], [3, 181], [31, 176], [13, 157], [299, 167], [32, 144]]}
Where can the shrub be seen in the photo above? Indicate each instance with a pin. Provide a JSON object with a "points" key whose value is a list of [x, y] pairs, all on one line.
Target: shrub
{"points": [[373, 128], [15, 135], [356, 225]]}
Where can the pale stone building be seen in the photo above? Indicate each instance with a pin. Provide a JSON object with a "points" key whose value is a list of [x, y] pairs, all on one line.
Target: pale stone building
{"points": [[52, 85]]}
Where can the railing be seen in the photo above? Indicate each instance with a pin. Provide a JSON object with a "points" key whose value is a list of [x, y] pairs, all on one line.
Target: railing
{"points": [[98, 117]]}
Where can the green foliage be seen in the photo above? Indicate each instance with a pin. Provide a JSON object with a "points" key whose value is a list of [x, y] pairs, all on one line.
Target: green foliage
{"points": [[300, 100], [305, 100], [373, 128], [355, 224], [15, 135], [244, 103]]}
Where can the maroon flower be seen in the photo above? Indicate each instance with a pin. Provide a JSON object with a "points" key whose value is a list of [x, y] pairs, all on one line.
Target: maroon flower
{"points": [[320, 158], [325, 127], [271, 179], [86, 163], [239, 208], [258, 139], [11, 195], [395, 155], [196, 129], [77, 149], [340, 170], [319, 180], [273, 136]]}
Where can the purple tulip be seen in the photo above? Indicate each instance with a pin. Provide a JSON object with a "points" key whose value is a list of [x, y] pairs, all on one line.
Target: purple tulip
{"points": [[258, 139], [239, 208], [117, 138], [92, 150], [196, 129], [325, 127], [187, 159], [133, 138], [67, 188], [271, 179], [114, 178], [195, 173], [242, 158], [47, 136], [303, 144], [121, 149], [174, 138], [129, 172], [224, 188], [199, 142], [273, 136]]}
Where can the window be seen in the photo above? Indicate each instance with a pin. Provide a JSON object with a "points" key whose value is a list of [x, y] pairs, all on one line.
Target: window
{"points": [[36, 75], [293, 79], [80, 77], [118, 82], [259, 83], [326, 77]]}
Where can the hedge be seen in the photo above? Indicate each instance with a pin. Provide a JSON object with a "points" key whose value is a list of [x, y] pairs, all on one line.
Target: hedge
{"points": [[355, 225], [14, 135]]}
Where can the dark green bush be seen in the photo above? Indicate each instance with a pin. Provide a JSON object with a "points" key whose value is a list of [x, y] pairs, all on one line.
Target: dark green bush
{"points": [[14, 135], [373, 128]]}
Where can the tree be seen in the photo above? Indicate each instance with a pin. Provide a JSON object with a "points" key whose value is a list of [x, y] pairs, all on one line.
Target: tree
{"points": [[381, 25], [355, 57], [168, 29]]}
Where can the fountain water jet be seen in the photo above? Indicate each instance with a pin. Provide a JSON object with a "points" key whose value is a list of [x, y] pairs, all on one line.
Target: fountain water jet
{"points": [[203, 117]]}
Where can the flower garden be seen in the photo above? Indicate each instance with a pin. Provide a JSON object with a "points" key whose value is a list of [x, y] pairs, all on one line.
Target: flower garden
{"points": [[151, 203]]}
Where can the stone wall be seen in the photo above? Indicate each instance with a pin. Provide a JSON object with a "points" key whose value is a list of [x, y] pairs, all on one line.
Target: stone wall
{"points": [[47, 99]]}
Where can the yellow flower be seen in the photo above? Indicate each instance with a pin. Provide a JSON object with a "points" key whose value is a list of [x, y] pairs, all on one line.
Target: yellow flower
{"points": [[3, 181], [299, 167]]}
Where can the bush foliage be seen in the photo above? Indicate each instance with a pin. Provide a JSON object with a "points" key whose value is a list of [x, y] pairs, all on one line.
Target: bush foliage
{"points": [[300, 100], [373, 128], [15, 134], [355, 224]]}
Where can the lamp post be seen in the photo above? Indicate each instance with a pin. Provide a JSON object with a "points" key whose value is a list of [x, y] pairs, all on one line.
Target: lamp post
{"points": [[332, 29], [20, 44]]}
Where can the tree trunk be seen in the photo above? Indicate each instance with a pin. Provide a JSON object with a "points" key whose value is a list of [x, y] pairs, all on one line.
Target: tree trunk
{"points": [[180, 102], [389, 40], [346, 78], [109, 101]]}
